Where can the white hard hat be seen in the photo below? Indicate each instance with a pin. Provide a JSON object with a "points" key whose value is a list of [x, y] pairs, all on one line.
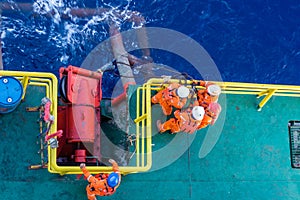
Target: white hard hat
{"points": [[214, 90], [198, 112], [183, 92]]}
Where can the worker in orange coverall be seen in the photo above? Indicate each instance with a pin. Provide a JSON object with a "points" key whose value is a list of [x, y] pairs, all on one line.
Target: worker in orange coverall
{"points": [[211, 115], [104, 184], [209, 94], [186, 121], [174, 95]]}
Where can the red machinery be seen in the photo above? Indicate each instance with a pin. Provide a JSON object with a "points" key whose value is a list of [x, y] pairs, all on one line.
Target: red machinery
{"points": [[79, 116]]}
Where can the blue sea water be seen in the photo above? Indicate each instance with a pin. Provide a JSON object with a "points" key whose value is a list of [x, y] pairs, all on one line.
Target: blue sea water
{"points": [[250, 41]]}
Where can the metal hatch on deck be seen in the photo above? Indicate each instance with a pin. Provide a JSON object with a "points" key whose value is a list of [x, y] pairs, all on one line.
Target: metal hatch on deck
{"points": [[294, 136]]}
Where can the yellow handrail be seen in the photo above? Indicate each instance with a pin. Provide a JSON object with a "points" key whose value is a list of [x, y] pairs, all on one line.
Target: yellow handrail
{"points": [[143, 113], [47, 80], [143, 135], [267, 90]]}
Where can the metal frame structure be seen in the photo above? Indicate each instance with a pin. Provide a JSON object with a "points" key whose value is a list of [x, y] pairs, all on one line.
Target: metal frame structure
{"points": [[49, 81], [143, 119]]}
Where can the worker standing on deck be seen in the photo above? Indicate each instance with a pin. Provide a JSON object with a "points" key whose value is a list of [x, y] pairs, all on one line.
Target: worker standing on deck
{"points": [[104, 184], [209, 94], [211, 115], [186, 121], [175, 95]]}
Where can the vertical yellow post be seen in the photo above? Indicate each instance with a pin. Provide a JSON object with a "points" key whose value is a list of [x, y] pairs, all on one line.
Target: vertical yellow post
{"points": [[266, 99], [25, 83]]}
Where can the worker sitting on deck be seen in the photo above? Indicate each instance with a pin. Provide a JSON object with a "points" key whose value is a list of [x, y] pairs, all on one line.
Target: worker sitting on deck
{"points": [[209, 94], [104, 184], [174, 95], [186, 121], [211, 115]]}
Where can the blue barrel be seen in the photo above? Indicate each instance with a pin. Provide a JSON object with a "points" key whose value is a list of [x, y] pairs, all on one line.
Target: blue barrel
{"points": [[11, 91]]}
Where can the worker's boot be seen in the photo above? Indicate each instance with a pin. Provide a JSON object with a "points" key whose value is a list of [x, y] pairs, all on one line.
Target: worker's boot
{"points": [[159, 126]]}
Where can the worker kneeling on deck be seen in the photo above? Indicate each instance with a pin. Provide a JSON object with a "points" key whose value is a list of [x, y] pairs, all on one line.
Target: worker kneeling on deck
{"points": [[103, 184], [211, 115], [186, 121], [209, 94], [174, 95]]}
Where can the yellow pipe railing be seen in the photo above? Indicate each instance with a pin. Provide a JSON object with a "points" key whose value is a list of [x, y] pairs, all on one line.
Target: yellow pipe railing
{"points": [[47, 80], [267, 90], [141, 118], [144, 120], [143, 113]]}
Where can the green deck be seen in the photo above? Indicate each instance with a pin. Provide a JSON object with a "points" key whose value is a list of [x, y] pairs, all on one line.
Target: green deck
{"points": [[251, 159]]}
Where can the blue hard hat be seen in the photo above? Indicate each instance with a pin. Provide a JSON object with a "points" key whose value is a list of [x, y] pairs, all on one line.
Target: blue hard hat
{"points": [[113, 179]]}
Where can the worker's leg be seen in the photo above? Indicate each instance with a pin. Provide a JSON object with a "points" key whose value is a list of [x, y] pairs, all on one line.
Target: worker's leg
{"points": [[157, 98], [166, 107], [171, 124], [90, 194], [175, 128]]}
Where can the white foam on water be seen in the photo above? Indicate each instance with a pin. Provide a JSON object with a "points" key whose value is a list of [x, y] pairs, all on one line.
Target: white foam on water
{"points": [[3, 35], [41, 32], [72, 35], [49, 6], [64, 58]]}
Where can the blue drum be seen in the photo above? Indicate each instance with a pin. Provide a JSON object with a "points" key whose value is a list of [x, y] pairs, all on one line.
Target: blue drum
{"points": [[11, 91]]}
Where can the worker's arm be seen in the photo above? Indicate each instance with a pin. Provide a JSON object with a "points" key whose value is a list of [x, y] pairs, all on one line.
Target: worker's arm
{"points": [[114, 165], [182, 102], [86, 173], [215, 117], [200, 83], [177, 114], [116, 170]]}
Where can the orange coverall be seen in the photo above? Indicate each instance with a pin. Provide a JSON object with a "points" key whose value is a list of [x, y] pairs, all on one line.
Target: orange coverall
{"points": [[98, 185], [211, 115], [204, 98], [183, 121], [168, 98]]}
